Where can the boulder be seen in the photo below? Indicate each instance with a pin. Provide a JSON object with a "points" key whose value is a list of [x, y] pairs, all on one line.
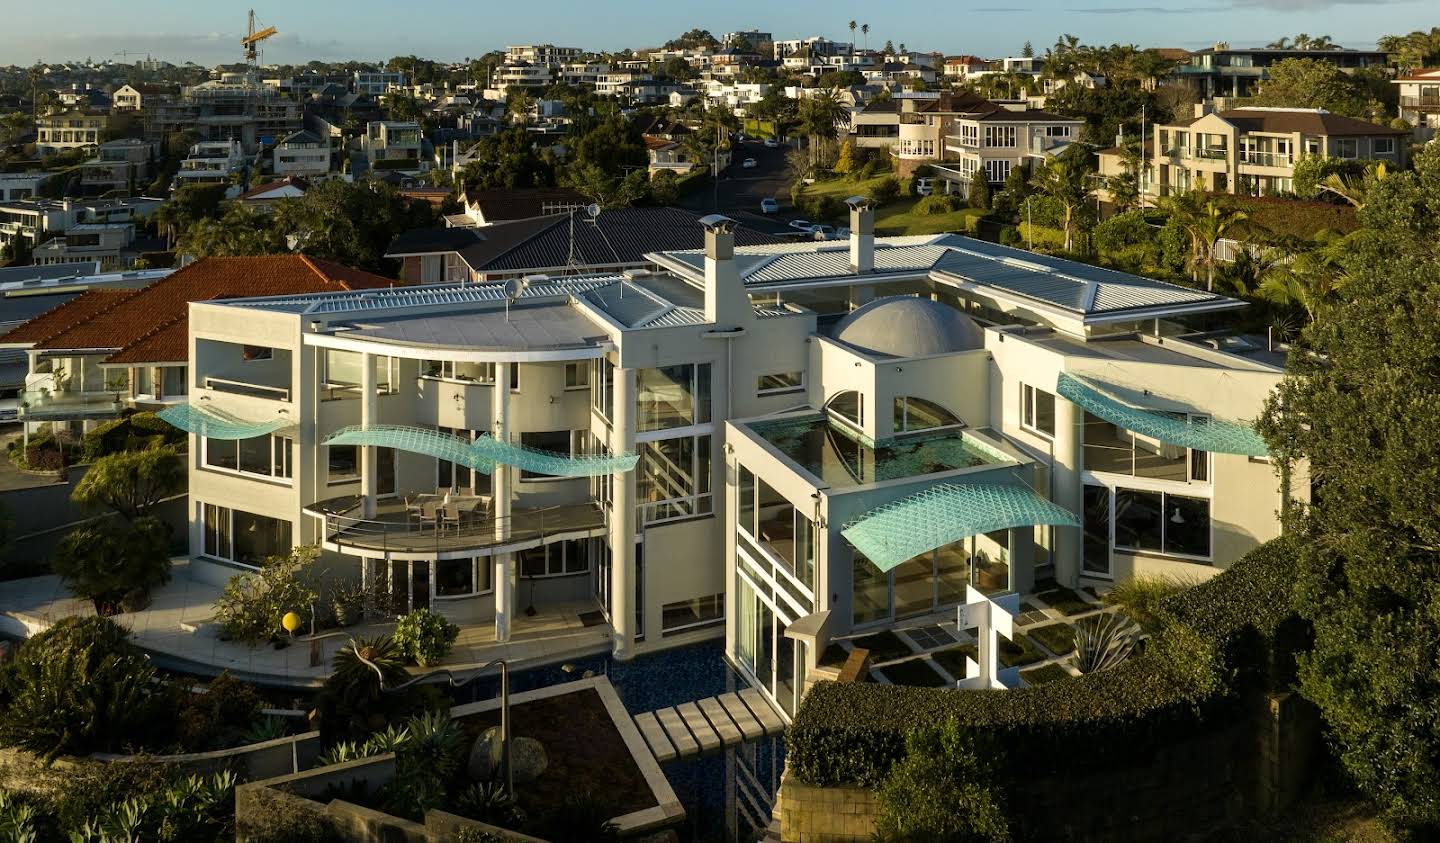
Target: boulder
{"points": [[527, 757]]}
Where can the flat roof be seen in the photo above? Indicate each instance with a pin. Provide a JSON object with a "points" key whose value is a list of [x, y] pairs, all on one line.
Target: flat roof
{"points": [[531, 326]]}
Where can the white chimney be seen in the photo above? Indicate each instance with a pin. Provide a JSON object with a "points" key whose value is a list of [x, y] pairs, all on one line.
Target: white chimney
{"points": [[862, 235], [726, 303]]}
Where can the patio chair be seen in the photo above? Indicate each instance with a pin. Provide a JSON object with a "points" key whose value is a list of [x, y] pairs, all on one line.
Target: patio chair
{"points": [[430, 512], [450, 516]]}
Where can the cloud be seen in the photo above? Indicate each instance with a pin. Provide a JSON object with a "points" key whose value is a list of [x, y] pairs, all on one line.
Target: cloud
{"points": [[1303, 5]]}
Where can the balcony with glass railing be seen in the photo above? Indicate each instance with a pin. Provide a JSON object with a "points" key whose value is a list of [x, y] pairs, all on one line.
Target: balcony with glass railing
{"points": [[450, 523], [1261, 158]]}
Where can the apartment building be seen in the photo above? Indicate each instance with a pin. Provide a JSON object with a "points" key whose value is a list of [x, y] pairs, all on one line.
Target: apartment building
{"points": [[1420, 101], [211, 162], [759, 41], [813, 46], [1252, 151], [1220, 71], [120, 166], [301, 155], [547, 55], [234, 107], [69, 130], [36, 220], [113, 246], [396, 143], [521, 74], [376, 83], [777, 444]]}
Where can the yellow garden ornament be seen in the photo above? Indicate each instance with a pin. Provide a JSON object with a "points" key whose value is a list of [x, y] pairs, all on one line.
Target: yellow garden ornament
{"points": [[291, 622]]}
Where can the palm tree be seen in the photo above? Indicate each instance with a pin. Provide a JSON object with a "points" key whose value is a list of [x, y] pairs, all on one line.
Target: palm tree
{"points": [[1209, 228], [821, 116], [865, 30], [1068, 184], [853, 25], [1281, 43], [1310, 278], [1356, 191], [1302, 42]]}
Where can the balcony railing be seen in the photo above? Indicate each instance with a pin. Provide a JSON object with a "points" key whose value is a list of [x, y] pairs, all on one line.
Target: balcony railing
{"points": [[252, 390], [1420, 102], [41, 404], [1210, 153], [400, 529], [1267, 159]]}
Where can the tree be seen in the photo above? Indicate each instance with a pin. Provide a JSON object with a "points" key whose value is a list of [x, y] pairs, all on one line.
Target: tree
{"points": [[606, 190], [845, 158], [251, 607], [613, 145], [1358, 408], [1314, 83], [1067, 183], [853, 26], [865, 31], [820, 118], [1205, 222], [979, 190], [239, 232], [1027, 51], [132, 482], [889, 48], [1418, 49], [104, 562], [506, 160], [1125, 187], [350, 222]]}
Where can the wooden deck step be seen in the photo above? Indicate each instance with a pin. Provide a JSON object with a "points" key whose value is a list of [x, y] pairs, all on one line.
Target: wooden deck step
{"points": [[699, 727], [654, 734], [675, 730], [763, 711], [749, 726], [725, 727]]}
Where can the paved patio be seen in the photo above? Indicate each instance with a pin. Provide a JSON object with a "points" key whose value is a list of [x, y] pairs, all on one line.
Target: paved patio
{"points": [[176, 630]]}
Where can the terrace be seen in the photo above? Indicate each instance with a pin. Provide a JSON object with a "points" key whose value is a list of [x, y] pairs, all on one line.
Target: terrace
{"points": [[431, 525]]}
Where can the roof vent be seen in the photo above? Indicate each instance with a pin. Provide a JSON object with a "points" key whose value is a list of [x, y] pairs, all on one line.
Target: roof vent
{"points": [[632, 274]]}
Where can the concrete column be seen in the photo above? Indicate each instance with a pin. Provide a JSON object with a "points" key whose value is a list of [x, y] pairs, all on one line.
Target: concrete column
{"points": [[505, 572], [622, 520], [369, 417], [1068, 488], [1022, 559]]}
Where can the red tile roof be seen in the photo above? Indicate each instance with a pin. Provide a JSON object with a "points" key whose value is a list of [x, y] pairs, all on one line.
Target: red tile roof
{"points": [[149, 325]]}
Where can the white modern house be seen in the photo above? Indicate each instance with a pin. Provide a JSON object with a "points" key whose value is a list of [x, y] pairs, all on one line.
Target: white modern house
{"points": [[211, 162], [778, 443]]}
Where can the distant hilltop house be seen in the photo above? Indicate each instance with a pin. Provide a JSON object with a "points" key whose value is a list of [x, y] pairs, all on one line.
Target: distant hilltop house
{"points": [[1420, 101], [1220, 71]]}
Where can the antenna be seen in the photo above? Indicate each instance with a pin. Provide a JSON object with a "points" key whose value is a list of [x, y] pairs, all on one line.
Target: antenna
{"points": [[593, 209], [514, 289]]}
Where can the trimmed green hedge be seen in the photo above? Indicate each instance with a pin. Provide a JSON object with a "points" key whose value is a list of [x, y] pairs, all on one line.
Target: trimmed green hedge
{"points": [[1187, 678], [134, 432]]}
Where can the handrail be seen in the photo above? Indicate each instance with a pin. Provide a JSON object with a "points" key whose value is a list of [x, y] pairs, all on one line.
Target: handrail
{"points": [[489, 531], [254, 390]]}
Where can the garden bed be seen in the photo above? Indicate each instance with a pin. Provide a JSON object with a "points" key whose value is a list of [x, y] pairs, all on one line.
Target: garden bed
{"points": [[1058, 638], [883, 646], [1065, 601], [917, 672], [584, 749]]}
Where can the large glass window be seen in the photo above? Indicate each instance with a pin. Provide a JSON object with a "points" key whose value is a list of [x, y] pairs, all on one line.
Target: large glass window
{"points": [[243, 537], [342, 463], [553, 441], [690, 614], [673, 396], [674, 478], [577, 375], [1145, 521], [262, 456], [916, 414], [343, 373], [1111, 449], [451, 370], [870, 591], [1096, 549], [602, 388], [462, 577], [780, 382], [1037, 410], [849, 406], [556, 560]]}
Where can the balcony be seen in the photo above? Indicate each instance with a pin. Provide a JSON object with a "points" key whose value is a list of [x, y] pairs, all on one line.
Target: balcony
{"points": [[1423, 102], [467, 527], [45, 405], [1266, 159]]}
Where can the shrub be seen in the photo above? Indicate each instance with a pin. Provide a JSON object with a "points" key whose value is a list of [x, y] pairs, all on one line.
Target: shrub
{"points": [[1141, 597], [1010, 236], [1102, 642], [1121, 231], [664, 188], [220, 717], [425, 637], [252, 605], [106, 561], [135, 432], [80, 687], [937, 204], [941, 792], [980, 190], [131, 482], [885, 190], [1294, 218]]}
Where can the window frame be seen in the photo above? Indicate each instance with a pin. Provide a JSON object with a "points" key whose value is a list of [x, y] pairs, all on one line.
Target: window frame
{"points": [[797, 386], [281, 449], [1029, 411]]}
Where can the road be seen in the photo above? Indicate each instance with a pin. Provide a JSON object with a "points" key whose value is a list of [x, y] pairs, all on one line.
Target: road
{"points": [[740, 190]]}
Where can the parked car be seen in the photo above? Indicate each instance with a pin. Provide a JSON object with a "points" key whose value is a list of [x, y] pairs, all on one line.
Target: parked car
{"points": [[801, 225], [822, 232], [924, 186], [771, 143], [749, 164], [842, 233], [769, 206]]}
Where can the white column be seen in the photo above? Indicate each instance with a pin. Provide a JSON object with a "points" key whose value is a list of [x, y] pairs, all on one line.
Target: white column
{"points": [[369, 416], [1068, 487], [504, 573], [622, 519]]}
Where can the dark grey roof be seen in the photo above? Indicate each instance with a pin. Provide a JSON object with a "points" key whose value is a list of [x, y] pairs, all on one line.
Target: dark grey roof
{"points": [[533, 326]]}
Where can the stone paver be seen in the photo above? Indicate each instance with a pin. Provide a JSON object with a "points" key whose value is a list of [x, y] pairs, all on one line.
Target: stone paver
{"points": [[675, 730], [764, 712], [704, 733], [725, 727], [654, 734], [749, 726]]}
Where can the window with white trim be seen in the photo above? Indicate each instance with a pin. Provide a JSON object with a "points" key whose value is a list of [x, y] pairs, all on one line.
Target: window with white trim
{"points": [[780, 382], [1000, 136], [577, 375], [260, 456], [997, 170], [342, 372], [462, 577], [692, 614], [1384, 146], [1160, 522], [673, 478], [243, 537], [1037, 410], [560, 559]]}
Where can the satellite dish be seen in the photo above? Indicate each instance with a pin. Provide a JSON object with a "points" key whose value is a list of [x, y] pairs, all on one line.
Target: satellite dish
{"points": [[593, 209], [514, 288]]}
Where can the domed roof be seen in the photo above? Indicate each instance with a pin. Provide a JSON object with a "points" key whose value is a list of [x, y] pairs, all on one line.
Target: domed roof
{"points": [[907, 326]]}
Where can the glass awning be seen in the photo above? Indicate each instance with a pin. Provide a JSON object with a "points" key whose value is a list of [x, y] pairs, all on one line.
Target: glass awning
{"points": [[1200, 433], [213, 424], [482, 454], [944, 514]]}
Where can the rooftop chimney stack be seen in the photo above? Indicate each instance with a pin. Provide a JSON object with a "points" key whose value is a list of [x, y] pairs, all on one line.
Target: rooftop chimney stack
{"points": [[726, 303], [862, 235]]}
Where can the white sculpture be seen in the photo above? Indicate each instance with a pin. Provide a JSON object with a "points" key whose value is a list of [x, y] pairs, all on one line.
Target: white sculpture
{"points": [[991, 619]]}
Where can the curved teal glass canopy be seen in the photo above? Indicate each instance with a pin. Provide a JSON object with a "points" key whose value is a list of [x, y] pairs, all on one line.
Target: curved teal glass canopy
{"points": [[1202, 434], [482, 454], [944, 514], [210, 423]]}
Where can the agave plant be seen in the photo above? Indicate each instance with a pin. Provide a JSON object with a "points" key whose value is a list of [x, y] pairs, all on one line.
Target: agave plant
{"points": [[388, 740], [1103, 642], [267, 728], [438, 741], [340, 753], [489, 803]]}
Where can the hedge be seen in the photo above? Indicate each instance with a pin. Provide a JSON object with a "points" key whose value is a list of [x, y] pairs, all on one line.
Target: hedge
{"points": [[131, 433], [1186, 680], [1296, 218]]}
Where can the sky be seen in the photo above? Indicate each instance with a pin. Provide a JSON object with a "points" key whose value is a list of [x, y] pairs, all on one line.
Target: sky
{"points": [[207, 32]]}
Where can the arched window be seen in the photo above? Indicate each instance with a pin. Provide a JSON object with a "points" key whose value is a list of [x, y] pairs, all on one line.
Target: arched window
{"points": [[850, 406], [915, 414]]}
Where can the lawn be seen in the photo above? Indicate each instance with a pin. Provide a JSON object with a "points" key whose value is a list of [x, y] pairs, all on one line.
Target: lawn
{"points": [[917, 672], [883, 646], [897, 217], [1065, 601], [1058, 638]]}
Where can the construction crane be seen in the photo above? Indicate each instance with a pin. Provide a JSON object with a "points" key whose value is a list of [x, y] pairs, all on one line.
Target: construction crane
{"points": [[252, 39], [126, 54]]}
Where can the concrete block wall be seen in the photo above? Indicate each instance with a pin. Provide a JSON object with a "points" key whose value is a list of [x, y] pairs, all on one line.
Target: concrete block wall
{"points": [[825, 814]]}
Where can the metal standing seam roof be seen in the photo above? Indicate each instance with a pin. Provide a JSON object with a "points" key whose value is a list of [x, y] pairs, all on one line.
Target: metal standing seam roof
{"points": [[483, 453], [212, 424], [944, 514], [1202, 434]]}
